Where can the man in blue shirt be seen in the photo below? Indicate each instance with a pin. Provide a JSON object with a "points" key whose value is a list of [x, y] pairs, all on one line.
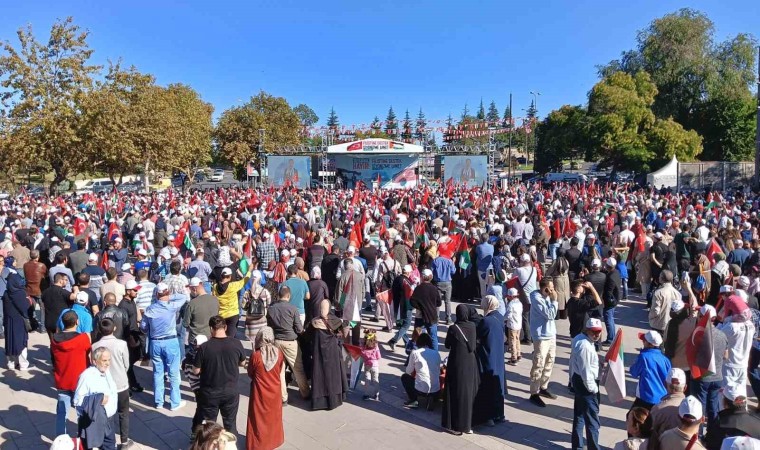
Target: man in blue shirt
{"points": [[443, 268], [651, 368], [543, 310], [739, 254], [483, 261], [299, 291], [160, 324], [79, 307]]}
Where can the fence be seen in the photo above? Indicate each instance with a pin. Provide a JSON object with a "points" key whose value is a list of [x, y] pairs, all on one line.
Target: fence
{"points": [[716, 175]]}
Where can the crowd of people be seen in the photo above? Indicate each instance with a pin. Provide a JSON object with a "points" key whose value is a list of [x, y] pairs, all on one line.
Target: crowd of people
{"points": [[174, 281]]}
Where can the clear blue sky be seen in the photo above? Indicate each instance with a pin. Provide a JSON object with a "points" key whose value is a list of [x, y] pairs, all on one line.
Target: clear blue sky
{"points": [[362, 57]]}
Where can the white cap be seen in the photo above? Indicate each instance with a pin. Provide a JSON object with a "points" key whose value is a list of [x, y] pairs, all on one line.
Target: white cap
{"points": [[54, 239], [730, 443], [652, 337], [162, 287], [226, 272], [676, 376], [596, 263], [743, 282], [63, 442], [726, 289], [126, 266], [658, 236], [142, 252], [525, 257], [132, 286], [594, 324], [407, 269], [293, 252], [677, 305], [195, 282], [691, 407], [427, 273], [285, 253], [82, 298], [173, 251], [707, 309], [351, 249], [611, 262], [512, 292], [118, 239], [200, 339], [93, 257]]}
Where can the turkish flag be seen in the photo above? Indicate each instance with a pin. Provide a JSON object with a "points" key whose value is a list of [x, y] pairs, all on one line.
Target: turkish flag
{"points": [[355, 146]]}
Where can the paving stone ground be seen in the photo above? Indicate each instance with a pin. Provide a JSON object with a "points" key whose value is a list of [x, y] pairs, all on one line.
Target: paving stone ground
{"points": [[28, 402]]}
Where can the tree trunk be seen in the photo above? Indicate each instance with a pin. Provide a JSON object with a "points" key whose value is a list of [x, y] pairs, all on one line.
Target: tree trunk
{"points": [[146, 176]]}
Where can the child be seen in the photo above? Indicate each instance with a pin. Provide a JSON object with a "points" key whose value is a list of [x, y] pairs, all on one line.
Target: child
{"points": [[371, 357], [623, 269], [514, 324], [193, 379]]}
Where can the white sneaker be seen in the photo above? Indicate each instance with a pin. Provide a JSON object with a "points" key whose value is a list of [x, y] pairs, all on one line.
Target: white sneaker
{"points": [[180, 406]]}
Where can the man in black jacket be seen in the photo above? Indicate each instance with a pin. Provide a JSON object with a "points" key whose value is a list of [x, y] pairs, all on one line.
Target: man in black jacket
{"points": [[598, 279], [573, 257], [426, 298], [329, 266], [733, 420], [115, 313], [611, 298]]}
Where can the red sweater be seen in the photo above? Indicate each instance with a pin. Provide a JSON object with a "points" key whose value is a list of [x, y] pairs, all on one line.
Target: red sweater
{"points": [[71, 358]]}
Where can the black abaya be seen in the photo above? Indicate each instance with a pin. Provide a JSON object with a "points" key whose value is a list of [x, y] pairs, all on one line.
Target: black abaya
{"points": [[462, 377], [328, 377]]}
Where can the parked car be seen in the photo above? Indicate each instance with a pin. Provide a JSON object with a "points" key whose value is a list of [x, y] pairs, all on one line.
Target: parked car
{"points": [[94, 187], [217, 175], [563, 177], [130, 186], [200, 176], [522, 160]]}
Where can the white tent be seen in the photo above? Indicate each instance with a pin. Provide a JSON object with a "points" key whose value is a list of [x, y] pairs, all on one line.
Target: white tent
{"points": [[666, 177]]}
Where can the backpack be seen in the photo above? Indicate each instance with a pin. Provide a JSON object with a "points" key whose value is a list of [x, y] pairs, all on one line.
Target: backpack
{"points": [[389, 276], [254, 304]]}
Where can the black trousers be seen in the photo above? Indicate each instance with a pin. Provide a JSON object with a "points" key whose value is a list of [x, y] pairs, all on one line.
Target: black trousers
{"points": [[135, 353], [232, 323], [212, 403], [526, 325], [122, 409], [408, 382]]}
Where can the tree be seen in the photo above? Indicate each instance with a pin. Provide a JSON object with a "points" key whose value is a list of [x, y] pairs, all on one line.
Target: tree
{"points": [[332, 120], [306, 115], [391, 124], [465, 113], [493, 113], [481, 111], [564, 135], [507, 118], [532, 111], [625, 130], [44, 84], [237, 134], [406, 134], [420, 128]]}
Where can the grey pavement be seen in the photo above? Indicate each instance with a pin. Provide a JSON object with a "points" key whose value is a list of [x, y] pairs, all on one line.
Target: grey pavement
{"points": [[28, 402]]}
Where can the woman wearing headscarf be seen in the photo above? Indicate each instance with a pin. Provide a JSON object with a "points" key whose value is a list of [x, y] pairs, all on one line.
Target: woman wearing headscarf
{"points": [[300, 264], [558, 272], [718, 277], [264, 430], [328, 376], [350, 295], [255, 318], [15, 318], [490, 355], [462, 377]]}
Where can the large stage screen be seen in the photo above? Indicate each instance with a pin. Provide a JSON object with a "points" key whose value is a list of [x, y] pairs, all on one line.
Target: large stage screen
{"points": [[398, 169], [290, 171], [469, 171]]}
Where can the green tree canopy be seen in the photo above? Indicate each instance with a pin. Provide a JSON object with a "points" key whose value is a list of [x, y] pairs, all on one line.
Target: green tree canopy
{"points": [[306, 115]]}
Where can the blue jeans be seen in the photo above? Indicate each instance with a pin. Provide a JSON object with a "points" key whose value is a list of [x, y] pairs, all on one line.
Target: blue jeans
{"points": [[432, 330], [181, 333], [708, 393], [165, 353], [609, 323], [585, 417], [64, 403], [553, 250], [404, 328], [625, 288]]}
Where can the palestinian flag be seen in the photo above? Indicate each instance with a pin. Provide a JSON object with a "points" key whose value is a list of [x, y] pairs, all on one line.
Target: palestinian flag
{"points": [[699, 349], [355, 354], [183, 238], [614, 380], [384, 296]]}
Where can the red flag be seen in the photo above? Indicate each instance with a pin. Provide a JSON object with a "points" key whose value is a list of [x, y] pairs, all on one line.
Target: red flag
{"points": [[104, 261], [247, 250], [712, 249], [699, 349], [180, 239], [113, 231], [448, 248], [79, 226], [385, 296]]}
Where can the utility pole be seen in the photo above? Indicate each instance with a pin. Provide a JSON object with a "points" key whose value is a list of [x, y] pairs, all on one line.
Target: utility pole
{"points": [[262, 134], [509, 124], [757, 126]]}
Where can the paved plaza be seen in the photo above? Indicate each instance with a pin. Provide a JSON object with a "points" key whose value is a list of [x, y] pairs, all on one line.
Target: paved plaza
{"points": [[27, 408]]}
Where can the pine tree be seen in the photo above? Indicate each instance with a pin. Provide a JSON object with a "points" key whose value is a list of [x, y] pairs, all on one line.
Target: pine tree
{"points": [[481, 111], [532, 111], [332, 120], [450, 121], [465, 112], [391, 124], [421, 125], [406, 133], [507, 116], [493, 114], [376, 126]]}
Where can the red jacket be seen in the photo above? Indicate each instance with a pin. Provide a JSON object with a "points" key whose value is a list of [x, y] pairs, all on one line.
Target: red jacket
{"points": [[71, 358]]}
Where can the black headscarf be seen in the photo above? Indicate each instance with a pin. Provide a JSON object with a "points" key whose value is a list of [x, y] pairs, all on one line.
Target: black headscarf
{"points": [[466, 313]]}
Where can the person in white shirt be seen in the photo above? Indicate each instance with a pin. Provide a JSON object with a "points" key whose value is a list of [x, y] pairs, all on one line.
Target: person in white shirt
{"points": [[514, 324], [425, 364], [526, 278], [584, 372], [97, 379], [739, 331]]}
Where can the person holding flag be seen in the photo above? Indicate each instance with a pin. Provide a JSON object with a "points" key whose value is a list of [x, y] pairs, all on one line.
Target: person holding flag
{"points": [[584, 373]]}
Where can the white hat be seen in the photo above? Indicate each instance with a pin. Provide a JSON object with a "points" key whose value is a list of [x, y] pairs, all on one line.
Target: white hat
{"points": [[200, 339], [611, 262], [162, 287], [652, 337], [93, 257], [285, 253], [407, 268], [736, 443], [658, 236], [707, 309], [212, 239], [118, 239], [226, 272], [525, 257], [726, 289], [54, 239], [195, 282], [132, 286], [690, 406], [594, 324], [173, 251], [596, 263], [63, 442], [512, 292], [427, 273], [293, 252], [590, 236], [351, 249], [82, 298], [743, 282], [142, 252], [126, 266], [676, 376], [677, 305]]}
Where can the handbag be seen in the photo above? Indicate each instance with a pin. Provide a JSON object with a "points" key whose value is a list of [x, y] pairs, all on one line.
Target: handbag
{"points": [[254, 305], [27, 323]]}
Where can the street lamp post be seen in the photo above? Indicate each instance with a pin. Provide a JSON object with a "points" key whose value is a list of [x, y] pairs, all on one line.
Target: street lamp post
{"points": [[262, 135], [535, 135]]}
